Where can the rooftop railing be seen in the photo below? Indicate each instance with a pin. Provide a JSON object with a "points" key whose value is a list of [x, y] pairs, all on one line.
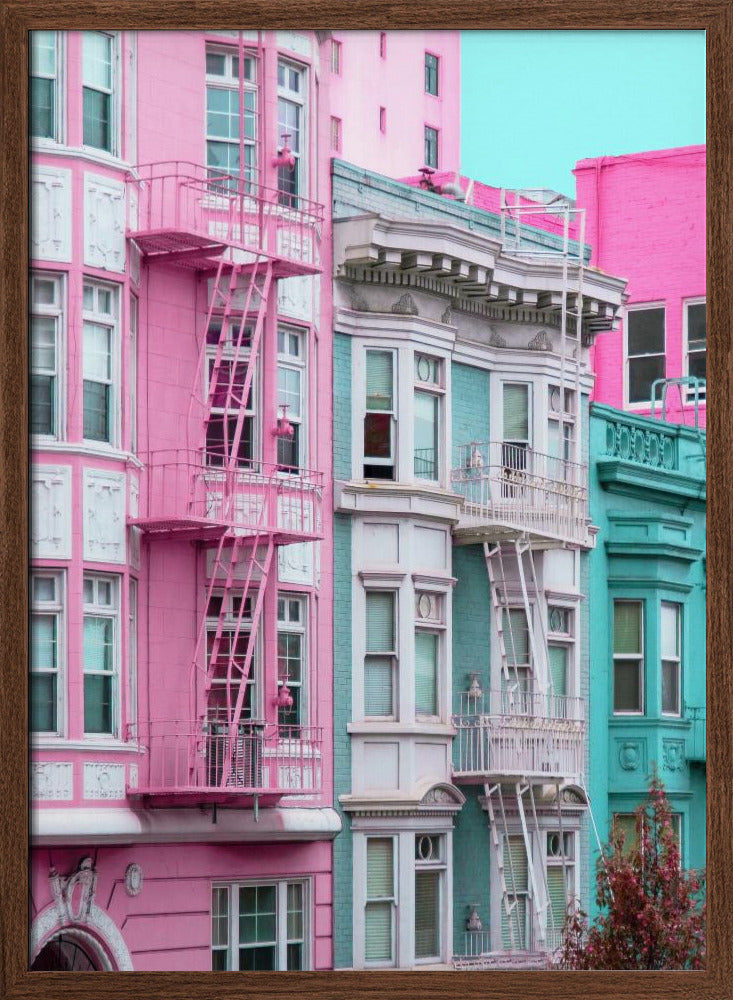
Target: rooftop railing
{"points": [[186, 488], [512, 486], [185, 209], [214, 759]]}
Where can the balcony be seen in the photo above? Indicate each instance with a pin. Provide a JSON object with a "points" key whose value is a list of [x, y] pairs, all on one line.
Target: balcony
{"points": [[535, 736], [188, 217], [183, 493], [510, 490], [478, 954], [206, 763]]}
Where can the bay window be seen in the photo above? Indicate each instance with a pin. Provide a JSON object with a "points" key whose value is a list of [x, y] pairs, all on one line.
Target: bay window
{"points": [[628, 657], [44, 85], [98, 86], [46, 654], [260, 927], [381, 654], [223, 114], [100, 656], [380, 900], [99, 362], [46, 338], [379, 419]]}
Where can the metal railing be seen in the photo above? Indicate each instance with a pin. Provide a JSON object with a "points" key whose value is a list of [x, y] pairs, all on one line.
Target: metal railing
{"points": [[501, 702], [478, 954], [182, 484], [177, 197], [249, 758], [513, 485]]}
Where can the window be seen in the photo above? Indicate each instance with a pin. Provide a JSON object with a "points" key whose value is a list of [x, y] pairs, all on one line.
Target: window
{"points": [[222, 119], [101, 695], [431, 74], [382, 44], [628, 657], [98, 71], [133, 372], [99, 367], [514, 929], [430, 866], [44, 85], [516, 687], [46, 325], [335, 56], [291, 655], [645, 347], [380, 900], [431, 147], [381, 654], [382, 120], [290, 130], [560, 874], [336, 135], [231, 425], [515, 401], [228, 631], [291, 381], [259, 928], [626, 823], [379, 443], [560, 627], [695, 325], [428, 391], [47, 621], [671, 660], [132, 655], [428, 612], [560, 431]]}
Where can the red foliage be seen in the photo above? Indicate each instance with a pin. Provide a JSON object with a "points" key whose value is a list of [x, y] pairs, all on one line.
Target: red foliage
{"points": [[653, 912]]}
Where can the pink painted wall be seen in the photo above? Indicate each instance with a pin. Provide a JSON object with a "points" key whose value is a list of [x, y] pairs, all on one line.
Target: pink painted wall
{"points": [[646, 223], [368, 82]]}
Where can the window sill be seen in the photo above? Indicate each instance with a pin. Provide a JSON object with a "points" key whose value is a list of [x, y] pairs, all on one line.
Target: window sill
{"points": [[80, 153], [99, 743], [85, 448], [373, 726]]}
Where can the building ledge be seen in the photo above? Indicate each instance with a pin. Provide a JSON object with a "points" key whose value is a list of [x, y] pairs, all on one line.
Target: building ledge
{"points": [[665, 485], [368, 496]]}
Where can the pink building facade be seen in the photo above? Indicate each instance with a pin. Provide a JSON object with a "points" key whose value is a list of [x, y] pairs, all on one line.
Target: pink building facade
{"points": [[182, 605], [659, 196]]}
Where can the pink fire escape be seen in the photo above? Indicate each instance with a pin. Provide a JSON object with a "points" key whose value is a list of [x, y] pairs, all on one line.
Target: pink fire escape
{"points": [[243, 238]]}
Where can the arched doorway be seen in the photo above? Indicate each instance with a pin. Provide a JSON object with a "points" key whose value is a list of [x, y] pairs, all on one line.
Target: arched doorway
{"points": [[69, 951]]}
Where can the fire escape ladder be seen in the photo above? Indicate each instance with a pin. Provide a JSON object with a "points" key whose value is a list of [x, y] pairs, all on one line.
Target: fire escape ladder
{"points": [[540, 654], [499, 604], [540, 901], [498, 838]]}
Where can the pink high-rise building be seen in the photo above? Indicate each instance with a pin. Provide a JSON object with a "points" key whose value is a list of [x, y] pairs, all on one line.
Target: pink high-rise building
{"points": [[181, 669], [645, 217]]}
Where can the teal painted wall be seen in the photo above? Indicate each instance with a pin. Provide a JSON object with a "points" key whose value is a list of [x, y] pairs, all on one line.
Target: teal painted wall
{"points": [[341, 406], [470, 406], [647, 494], [471, 865]]}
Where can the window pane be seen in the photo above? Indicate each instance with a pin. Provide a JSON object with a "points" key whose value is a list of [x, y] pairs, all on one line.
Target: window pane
{"points": [[645, 331], [626, 688], [96, 411], [43, 343], [379, 380], [380, 624], [262, 959], [98, 648], [670, 630], [627, 627], [97, 54], [378, 435], [380, 874], [43, 404], [44, 588], [696, 325], [378, 685], [43, 703], [516, 636], [43, 53], [696, 365], [97, 119], [626, 824], [670, 686], [426, 673], [43, 642], [516, 870], [427, 914], [98, 703], [516, 412], [557, 894], [643, 372], [43, 99], [215, 64], [97, 351], [559, 669], [378, 932], [220, 916], [426, 435]]}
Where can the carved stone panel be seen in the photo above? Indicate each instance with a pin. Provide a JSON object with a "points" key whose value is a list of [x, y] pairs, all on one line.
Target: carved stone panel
{"points": [[51, 512], [104, 223], [51, 213], [295, 563], [295, 297], [104, 781], [52, 780], [104, 516]]}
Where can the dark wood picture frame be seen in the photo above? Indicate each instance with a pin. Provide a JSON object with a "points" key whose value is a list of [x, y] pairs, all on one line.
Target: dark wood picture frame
{"points": [[17, 17]]}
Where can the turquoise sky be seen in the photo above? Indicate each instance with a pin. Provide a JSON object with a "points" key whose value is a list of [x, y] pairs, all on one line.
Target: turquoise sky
{"points": [[535, 102]]}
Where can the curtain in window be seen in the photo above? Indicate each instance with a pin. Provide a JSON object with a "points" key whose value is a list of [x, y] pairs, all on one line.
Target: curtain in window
{"points": [[379, 380], [379, 622], [559, 669], [380, 886], [627, 627], [426, 664], [516, 413], [557, 894], [516, 636], [516, 873], [427, 914]]}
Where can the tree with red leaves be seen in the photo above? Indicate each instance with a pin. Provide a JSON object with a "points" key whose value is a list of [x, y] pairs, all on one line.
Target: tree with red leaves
{"points": [[652, 912]]}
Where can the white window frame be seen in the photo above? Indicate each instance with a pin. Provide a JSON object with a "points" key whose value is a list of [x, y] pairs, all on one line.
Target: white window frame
{"points": [[393, 459], [700, 300], [228, 356], [438, 864], [676, 660], [640, 307], [229, 81], [287, 625], [393, 655], [286, 361], [230, 612], [433, 623], [56, 609], [281, 942], [55, 311], [570, 870], [58, 78], [336, 54], [110, 321], [529, 668], [134, 305], [392, 899], [113, 92], [298, 98], [565, 420], [133, 616], [566, 640], [435, 389], [640, 657], [111, 611]]}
